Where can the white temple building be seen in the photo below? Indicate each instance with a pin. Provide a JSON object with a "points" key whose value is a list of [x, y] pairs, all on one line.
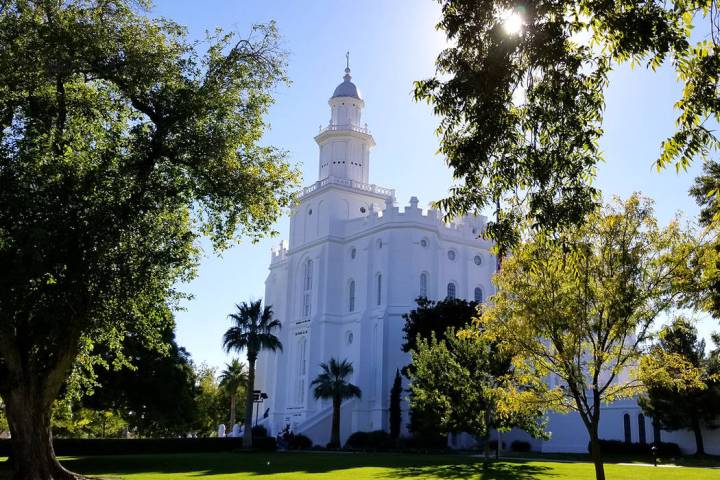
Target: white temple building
{"points": [[354, 264]]}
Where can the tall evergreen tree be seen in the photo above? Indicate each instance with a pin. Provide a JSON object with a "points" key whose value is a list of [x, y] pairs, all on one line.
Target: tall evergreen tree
{"points": [[394, 411], [683, 383], [252, 332]]}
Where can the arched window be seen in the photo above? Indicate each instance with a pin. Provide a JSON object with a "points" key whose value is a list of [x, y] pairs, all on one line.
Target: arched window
{"points": [[351, 296], [301, 370], [641, 429], [307, 288], [379, 289], [478, 295], [628, 434], [451, 290], [423, 284]]}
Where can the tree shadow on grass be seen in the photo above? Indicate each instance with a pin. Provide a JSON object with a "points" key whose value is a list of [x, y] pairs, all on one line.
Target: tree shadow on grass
{"points": [[259, 464], [477, 471]]}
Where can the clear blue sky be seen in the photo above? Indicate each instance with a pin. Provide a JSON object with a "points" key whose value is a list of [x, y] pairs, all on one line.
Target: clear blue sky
{"points": [[392, 44]]}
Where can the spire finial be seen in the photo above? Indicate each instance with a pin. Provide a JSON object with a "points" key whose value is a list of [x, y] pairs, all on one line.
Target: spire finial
{"points": [[347, 60]]}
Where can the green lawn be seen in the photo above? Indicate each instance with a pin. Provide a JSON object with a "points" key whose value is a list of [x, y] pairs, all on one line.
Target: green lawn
{"points": [[351, 466]]}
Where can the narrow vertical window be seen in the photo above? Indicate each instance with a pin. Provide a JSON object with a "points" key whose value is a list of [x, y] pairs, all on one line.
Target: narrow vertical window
{"points": [[307, 288], [423, 284], [351, 296], [478, 295], [301, 370], [451, 291], [379, 289], [626, 425]]}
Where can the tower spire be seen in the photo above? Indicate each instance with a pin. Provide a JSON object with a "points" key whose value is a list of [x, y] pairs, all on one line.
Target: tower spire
{"points": [[347, 60]]}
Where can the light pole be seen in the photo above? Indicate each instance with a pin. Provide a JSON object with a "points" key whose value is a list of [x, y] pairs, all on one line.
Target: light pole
{"points": [[258, 398]]}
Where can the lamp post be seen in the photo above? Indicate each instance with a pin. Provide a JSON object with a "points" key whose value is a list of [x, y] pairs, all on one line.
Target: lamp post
{"points": [[258, 398]]}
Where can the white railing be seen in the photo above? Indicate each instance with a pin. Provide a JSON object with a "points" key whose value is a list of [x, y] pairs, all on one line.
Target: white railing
{"points": [[345, 128], [346, 182]]}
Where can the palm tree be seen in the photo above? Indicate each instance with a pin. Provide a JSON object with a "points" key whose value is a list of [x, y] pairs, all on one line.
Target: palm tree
{"points": [[332, 383], [251, 331], [231, 379]]}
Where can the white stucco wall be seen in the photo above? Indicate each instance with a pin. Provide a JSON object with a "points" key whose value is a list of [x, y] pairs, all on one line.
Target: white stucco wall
{"points": [[347, 230]]}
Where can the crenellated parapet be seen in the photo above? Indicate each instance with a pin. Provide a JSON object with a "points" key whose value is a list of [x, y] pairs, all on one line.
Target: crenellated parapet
{"points": [[279, 252], [467, 226]]}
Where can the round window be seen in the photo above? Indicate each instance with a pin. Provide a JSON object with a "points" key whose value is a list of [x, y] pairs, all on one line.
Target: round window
{"points": [[353, 253], [423, 243], [363, 209], [477, 259], [451, 254]]}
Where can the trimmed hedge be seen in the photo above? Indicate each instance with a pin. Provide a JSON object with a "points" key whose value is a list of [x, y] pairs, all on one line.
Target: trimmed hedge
{"points": [[494, 445], [300, 442], [520, 446], [135, 446], [665, 449], [375, 440], [259, 431]]}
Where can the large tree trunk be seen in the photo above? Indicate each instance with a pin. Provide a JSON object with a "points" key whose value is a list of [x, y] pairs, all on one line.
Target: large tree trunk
{"points": [[596, 456], [247, 433], [487, 434], [699, 444], [29, 395], [335, 432], [232, 410], [33, 457]]}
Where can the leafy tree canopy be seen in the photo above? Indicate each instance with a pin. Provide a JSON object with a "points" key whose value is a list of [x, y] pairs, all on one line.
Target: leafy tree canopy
{"points": [[521, 111], [704, 289], [211, 402], [435, 317], [576, 307], [156, 395], [122, 144], [463, 380], [431, 319]]}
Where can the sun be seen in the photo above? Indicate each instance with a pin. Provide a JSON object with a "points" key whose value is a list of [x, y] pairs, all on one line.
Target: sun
{"points": [[512, 22]]}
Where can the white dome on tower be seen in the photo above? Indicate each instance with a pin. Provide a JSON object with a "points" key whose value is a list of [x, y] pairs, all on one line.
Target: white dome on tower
{"points": [[347, 88]]}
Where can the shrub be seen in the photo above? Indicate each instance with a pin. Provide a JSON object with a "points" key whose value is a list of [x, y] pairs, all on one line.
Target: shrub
{"points": [[424, 442], [380, 440], [520, 446], [494, 444], [267, 444], [299, 442], [668, 449], [259, 431], [624, 448], [357, 440], [375, 440]]}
